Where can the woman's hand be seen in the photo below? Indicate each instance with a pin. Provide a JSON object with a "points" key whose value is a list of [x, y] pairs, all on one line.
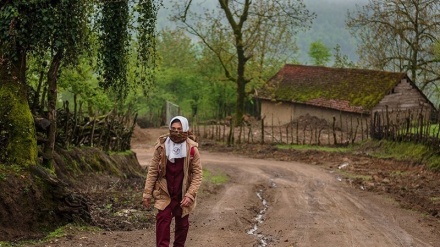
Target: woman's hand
{"points": [[147, 202], [186, 202]]}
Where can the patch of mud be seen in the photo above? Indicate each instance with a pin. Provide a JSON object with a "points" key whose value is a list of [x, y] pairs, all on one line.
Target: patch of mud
{"points": [[116, 204]]}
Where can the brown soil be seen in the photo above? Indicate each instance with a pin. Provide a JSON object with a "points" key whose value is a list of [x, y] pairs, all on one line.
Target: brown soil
{"points": [[303, 198]]}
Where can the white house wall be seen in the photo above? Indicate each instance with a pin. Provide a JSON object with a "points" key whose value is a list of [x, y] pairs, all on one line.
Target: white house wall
{"points": [[281, 113]]}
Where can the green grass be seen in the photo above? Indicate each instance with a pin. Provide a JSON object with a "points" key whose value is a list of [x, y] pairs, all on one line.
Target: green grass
{"points": [[405, 151], [315, 147], [401, 150], [60, 232], [398, 173], [6, 244], [353, 176], [57, 233], [433, 130], [215, 179], [435, 199]]}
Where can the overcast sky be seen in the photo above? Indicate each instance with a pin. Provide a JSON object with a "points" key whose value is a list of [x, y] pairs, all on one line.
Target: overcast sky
{"points": [[338, 22]]}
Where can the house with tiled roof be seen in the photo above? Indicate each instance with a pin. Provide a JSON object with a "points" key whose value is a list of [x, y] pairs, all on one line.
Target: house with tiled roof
{"points": [[343, 95]]}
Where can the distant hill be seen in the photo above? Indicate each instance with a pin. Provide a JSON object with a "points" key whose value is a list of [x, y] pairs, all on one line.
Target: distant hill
{"points": [[328, 27]]}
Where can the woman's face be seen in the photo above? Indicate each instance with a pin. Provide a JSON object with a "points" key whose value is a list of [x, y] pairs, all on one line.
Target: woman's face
{"points": [[176, 126]]}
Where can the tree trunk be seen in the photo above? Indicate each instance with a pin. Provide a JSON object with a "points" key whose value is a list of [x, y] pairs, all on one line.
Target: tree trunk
{"points": [[51, 108], [241, 81], [16, 121], [36, 108], [241, 96]]}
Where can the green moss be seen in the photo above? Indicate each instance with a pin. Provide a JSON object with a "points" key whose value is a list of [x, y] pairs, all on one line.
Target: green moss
{"points": [[358, 87], [17, 121]]}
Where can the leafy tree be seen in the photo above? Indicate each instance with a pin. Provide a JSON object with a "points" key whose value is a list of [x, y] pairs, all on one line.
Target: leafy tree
{"points": [[221, 93], [145, 65], [37, 28], [59, 31], [398, 35], [79, 83], [177, 65], [340, 60], [239, 32], [114, 41], [319, 53]]}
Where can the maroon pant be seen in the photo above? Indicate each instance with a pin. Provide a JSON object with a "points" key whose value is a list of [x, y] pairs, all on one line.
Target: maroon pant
{"points": [[163, 223]]}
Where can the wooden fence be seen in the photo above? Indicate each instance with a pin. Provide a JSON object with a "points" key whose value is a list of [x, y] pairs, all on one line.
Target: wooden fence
{"points": [[110, 132], [414, 127], [304, 131], [408, 126]]}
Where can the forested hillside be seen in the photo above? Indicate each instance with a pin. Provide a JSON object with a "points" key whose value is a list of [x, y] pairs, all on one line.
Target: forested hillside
{"points": [[328, 27]]}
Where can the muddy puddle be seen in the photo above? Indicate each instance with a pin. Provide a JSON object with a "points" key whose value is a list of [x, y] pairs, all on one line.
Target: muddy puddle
{"points": [[259, 219]]}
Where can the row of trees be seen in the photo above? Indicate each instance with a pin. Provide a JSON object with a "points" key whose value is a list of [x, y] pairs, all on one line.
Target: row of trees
{"points": [[191, 76], [240, 45]]}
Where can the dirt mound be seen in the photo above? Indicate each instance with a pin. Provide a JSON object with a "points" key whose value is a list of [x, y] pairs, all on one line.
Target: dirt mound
{"points": [[35, 201]]}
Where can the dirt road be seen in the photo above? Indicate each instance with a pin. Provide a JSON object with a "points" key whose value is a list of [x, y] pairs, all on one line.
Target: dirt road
{"points": [[274, 203]]}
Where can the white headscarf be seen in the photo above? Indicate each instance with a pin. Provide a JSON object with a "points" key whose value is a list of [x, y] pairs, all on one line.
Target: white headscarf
{"points": [[176, 150]]}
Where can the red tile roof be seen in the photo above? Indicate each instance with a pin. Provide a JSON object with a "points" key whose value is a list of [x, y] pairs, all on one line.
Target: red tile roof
{"points": [[351, 90]]}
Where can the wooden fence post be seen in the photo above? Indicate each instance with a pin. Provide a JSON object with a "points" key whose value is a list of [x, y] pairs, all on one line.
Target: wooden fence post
{"points": [[272, 130], [224, 132], [297, 132], [262, 130], [291, 129], [231, 133], [281, 131], [362, 127], [335, 140], [240, 130]]}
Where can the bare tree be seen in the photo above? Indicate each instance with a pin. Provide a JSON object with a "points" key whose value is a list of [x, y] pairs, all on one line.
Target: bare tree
{"points": [[399, 35], [244, 34]]}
